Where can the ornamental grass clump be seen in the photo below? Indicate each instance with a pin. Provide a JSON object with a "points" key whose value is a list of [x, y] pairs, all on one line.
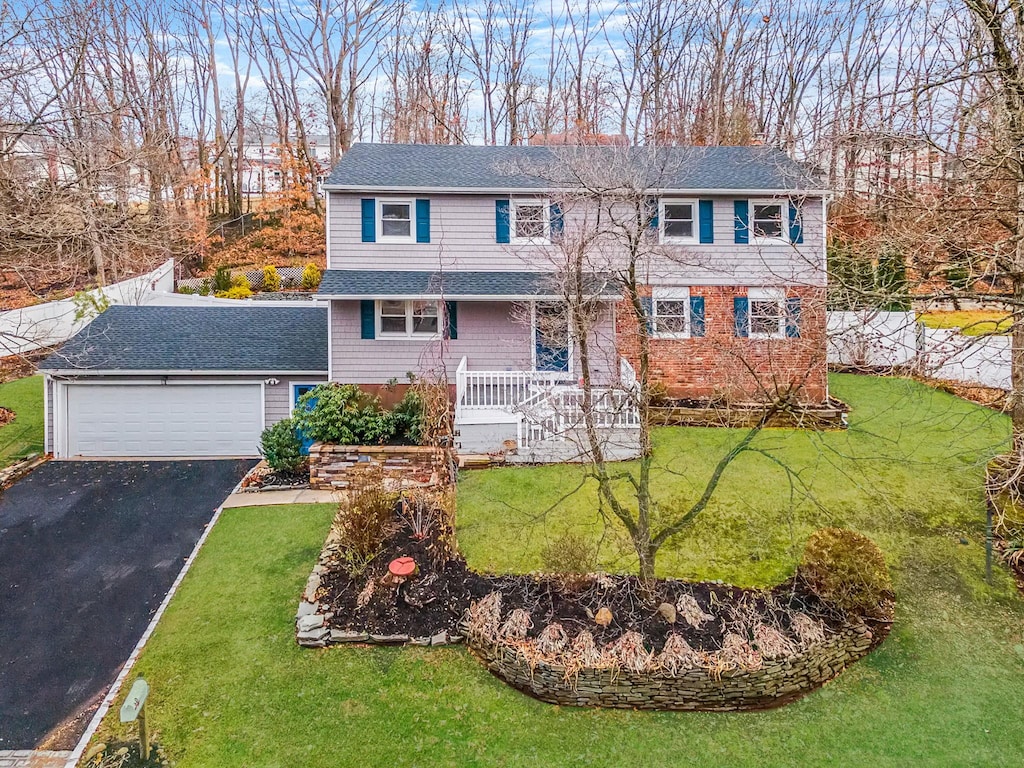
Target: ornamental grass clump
{"points": [[483, 618], [364, 521], [771, 643], [516, 625], [677, 656], [807, 630], [629, 653], [848, 571]]}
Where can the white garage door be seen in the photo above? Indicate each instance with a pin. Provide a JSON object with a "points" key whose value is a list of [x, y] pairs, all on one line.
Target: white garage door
{"points": [[164, 420]]}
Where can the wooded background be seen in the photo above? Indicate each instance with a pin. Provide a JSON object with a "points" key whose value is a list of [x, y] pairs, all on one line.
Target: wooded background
{"points": [[124, 125]]}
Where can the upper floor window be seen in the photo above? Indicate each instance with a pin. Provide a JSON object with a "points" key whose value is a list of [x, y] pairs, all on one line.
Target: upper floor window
{"points": [[530, 221], [767, 313], [394, 220], [767, 221], [678, 221], [407, 318]]}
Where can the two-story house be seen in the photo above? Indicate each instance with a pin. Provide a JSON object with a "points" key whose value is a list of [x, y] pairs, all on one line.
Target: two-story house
{"points": [[450, 262], [446, 261]]}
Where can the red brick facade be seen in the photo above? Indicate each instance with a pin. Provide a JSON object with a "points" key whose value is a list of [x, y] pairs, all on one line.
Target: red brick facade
{"points": [[721, 365]]}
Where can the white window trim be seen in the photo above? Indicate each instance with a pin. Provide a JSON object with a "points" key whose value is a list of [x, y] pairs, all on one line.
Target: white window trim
{"points": [[694, 204], [381, 237], [409, 334], [681, 293], [514, 204], [777, 295], [784, 205]]}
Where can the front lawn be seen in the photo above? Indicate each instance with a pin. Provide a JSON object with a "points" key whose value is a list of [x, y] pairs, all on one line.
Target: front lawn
{"points": [[231, 688], [24, 435]]}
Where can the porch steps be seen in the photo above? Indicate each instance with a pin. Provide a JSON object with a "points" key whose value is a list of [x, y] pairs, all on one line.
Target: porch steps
{"points": [[479, 460]]}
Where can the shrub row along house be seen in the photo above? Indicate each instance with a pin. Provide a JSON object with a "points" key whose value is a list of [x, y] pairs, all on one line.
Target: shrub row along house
{"points": [[510, 273]]}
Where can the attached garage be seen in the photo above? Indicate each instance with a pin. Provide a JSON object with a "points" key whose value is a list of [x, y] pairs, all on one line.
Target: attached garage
{"points": [[176, 382], [174, 419]]}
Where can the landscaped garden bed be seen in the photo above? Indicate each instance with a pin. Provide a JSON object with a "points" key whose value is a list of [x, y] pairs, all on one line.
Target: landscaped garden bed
{"points": [[714, 413], [263, 477], [390, 573]]}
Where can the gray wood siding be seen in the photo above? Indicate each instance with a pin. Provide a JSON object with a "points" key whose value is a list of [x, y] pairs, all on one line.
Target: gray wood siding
{"points": [[277, 402], [493, 336], [463, 238]]}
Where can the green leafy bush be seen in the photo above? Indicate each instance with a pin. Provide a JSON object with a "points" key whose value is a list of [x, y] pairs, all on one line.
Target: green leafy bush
{"points": [[408, 417], [271, 279], [221, 280], [281, 447], [311, 277], [187, 290], [204, 287], [343, 414], [847, 570]]}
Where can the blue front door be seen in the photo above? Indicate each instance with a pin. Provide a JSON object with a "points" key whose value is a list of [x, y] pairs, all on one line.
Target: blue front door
{"points": [[551, 338], [298, 390]]}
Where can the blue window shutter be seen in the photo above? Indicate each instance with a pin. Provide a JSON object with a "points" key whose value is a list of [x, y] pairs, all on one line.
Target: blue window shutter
{"points": [[501, 221], [793, 317], [647, 304], [557, 221], [741, 311], [422, 221], [741, 209], [796, 224], [706, 213], [697, 326], [367, 319], [652, 212], [451, 309], [369, 220]]}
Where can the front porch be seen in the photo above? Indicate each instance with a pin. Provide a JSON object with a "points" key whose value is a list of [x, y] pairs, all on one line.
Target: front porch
{"points": [[540, 416]]}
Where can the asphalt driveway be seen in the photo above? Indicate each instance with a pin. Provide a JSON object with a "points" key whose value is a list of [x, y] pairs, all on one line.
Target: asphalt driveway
{"points": [[88, 549]]}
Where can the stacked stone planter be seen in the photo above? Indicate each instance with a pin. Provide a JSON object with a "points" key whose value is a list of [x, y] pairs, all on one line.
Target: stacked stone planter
{"points": [[776, 682], [333, 467]]}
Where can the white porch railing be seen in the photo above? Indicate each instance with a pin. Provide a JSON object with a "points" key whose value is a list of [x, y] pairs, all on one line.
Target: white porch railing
{"points": [[546, 404], [559, 413], [501, 390]]}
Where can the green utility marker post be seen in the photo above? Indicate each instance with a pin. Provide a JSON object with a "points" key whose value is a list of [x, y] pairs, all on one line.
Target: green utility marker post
{"points": [[134, 708]]}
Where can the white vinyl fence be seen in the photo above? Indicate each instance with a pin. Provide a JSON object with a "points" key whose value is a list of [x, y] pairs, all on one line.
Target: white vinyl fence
{"points": [[43, 325], [872, 338], [875, 339]]}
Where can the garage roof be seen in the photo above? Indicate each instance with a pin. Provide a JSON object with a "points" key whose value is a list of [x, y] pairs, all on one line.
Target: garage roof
{"points": [[207, 339], [426, 284]]}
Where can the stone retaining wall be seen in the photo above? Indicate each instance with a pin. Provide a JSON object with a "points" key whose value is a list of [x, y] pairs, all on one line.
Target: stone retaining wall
{"points": [[332, 467], [776, 683]]}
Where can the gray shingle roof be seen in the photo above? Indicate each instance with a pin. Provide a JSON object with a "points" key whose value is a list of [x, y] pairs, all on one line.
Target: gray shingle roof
{"points": [[373, 283], [264, 339], [475, 168]]}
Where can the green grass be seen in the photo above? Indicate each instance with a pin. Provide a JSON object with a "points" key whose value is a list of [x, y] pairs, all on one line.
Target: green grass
{"points": [[230, 687], [970, 322], [24, 435]]}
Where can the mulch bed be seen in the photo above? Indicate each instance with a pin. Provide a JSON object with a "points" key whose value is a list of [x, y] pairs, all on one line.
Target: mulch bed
{"points": [[263, 478], [436, 600]]}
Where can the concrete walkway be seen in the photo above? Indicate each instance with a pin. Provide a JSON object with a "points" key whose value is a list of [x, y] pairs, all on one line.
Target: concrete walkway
{"points": [[26, 758], [267, 498]]}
